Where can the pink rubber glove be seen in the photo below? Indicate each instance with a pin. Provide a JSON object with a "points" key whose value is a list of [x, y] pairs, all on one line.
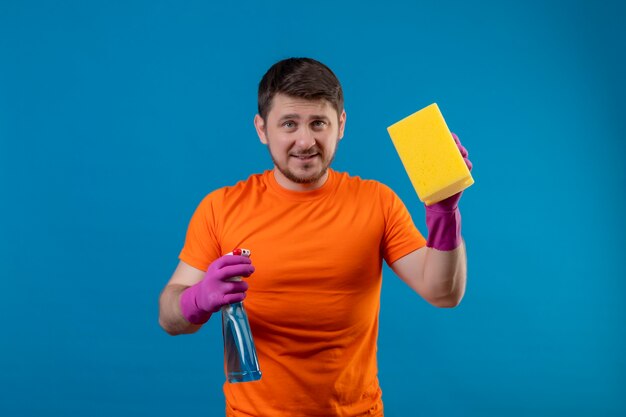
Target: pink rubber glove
{"points": [[443, 219], [199, 301]]}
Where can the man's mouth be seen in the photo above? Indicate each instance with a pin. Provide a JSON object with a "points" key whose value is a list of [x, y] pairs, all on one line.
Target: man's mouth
{"points": [[305, 157]]}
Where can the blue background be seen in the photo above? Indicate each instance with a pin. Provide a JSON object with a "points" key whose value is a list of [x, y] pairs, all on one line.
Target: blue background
{"points": [[117, 117]]}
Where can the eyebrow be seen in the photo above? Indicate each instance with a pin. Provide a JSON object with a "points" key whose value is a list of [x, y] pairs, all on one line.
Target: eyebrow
{"points": [[297, 117]]}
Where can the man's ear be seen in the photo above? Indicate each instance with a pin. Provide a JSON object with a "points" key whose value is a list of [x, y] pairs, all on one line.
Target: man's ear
{"points": [[259, 124], [342, 124]]}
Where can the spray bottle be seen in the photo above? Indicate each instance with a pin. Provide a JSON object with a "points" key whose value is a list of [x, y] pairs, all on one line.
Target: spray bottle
{"points": [[240, 361]]}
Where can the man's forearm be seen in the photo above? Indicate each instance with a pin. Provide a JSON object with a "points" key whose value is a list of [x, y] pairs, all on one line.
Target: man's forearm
{"points": [[445, 274], [170, 317]]}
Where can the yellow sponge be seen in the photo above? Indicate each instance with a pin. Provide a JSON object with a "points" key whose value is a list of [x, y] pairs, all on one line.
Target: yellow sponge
{"points": [[430, 156]]}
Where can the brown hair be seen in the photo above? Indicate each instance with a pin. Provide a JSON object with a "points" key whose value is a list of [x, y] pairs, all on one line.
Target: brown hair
{"points": [[299, 77]]}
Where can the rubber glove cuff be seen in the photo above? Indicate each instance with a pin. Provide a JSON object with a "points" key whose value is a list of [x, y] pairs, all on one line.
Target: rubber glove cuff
{"points": [[190, 310], [444, 228]]}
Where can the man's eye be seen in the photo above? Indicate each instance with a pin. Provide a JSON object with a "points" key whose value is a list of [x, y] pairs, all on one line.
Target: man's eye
{"points": [[289, 125], [319, 123]]}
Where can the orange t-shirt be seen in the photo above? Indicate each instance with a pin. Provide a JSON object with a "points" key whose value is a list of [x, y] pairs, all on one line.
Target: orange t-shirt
{"points": [[314, 298]]}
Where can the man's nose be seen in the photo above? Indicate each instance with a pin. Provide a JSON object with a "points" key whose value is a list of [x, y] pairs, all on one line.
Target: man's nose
{"points": [[305, 139]]}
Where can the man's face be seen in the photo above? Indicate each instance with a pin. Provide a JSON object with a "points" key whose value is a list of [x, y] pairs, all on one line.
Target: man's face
{"points": [[302, 137]]}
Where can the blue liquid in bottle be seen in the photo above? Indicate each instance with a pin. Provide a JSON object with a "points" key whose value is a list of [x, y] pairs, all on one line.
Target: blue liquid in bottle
{"points": [[240, 361]]}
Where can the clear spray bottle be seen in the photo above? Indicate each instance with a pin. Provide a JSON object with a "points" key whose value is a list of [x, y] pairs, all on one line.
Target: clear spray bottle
{"points": [[240, 361]]}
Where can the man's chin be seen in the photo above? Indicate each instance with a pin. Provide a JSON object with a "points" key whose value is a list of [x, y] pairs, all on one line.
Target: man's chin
{"points": [[304, 178]]}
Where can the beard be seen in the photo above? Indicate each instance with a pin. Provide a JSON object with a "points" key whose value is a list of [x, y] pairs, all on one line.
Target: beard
{"points": [[311, 177]]}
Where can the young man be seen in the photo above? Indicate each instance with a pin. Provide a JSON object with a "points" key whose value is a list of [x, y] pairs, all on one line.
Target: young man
{"points": [[318, 238]]}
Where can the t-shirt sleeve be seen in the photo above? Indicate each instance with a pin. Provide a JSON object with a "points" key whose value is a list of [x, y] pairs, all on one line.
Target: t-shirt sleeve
{"points": [[201, 243], [401, 237]]}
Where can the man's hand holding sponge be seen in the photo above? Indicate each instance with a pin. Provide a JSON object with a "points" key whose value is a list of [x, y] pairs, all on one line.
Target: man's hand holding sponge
{"points": [[437, 165]]}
